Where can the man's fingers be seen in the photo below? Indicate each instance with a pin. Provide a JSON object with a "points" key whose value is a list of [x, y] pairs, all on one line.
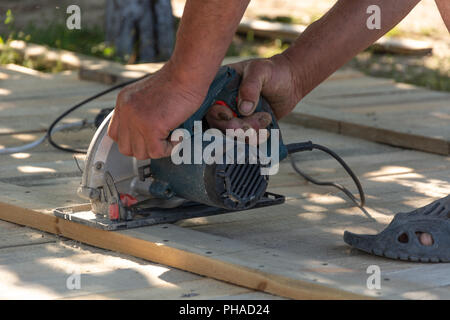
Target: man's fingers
{"points": [[124, 142], [113, 127], [258, 120], [253, 79], [238, 66], [139, 147], [220, 112], [166, 148], [218, 116]]}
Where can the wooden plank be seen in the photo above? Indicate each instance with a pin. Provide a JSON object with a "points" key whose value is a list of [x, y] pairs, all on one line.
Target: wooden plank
{"points": [[249, 296], [148, 243], [402, 46], [326, 121], [50, 169], [112, 73], [345, 74], [115, 73], [401, 139], [354, 86], [301, 242], [41, 271], [396, 114], [275, 30], [188, 290], [36, 265], [67, 58], [12, 236], [22, 82], [40, 104], [402, 109], [379, 98], [436, 275], [366, 128], [441, 293]]}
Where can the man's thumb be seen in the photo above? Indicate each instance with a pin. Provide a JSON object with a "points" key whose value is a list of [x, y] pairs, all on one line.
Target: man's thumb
{"points": [[253, 79]]}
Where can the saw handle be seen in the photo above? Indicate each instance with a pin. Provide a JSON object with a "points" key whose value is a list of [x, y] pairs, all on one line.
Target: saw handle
{"points": [[225, 90]]}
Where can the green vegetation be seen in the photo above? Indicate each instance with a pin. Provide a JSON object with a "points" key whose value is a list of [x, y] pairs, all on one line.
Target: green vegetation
{"points": [[251, 46], [56, 35], [428, 32], [282, 19], [9, 55], [85, 41], [305, 20], [394, 32], [429, 72]]}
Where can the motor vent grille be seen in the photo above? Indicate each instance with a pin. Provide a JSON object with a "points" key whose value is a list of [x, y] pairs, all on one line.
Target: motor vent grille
{"points": [[242, 185]]}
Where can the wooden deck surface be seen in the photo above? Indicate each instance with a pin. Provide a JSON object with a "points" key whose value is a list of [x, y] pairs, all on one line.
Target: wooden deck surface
{"points": [[379, 110], [301, 239]]}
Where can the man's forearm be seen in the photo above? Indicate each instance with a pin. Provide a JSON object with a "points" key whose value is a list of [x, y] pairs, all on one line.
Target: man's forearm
{"points": [[444, 9], [205, 33], [331, 41]]}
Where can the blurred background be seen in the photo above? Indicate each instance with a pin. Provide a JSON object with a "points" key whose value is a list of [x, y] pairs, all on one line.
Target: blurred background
{"points": [[136, 31]]}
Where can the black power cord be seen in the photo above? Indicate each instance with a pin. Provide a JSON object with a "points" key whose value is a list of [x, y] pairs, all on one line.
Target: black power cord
{"points": [[309, 146], [79, 105]]}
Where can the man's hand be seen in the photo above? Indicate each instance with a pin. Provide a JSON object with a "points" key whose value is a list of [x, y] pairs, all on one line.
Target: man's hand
{"points": [[273, 78], [147, 111]]}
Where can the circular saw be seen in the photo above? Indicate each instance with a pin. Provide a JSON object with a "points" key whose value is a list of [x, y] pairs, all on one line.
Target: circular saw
{"points": [[125, 192]]}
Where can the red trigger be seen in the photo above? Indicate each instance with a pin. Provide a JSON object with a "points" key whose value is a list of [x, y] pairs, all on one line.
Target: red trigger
{"points": [[223, 103]]}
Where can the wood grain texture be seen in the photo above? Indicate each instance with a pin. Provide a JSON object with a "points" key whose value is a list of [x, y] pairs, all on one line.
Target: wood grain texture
{"points": [[141, 244], [399, 131], [294, 250]]}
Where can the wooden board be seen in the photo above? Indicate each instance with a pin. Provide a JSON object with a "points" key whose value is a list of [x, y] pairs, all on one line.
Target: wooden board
{"points": [[379, 110], [402, 46], [294, 250], [37, 265], [215, 257]]}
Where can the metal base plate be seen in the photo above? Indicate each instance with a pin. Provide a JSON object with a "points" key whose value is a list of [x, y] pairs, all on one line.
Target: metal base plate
{"points": [[155, 215]]}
